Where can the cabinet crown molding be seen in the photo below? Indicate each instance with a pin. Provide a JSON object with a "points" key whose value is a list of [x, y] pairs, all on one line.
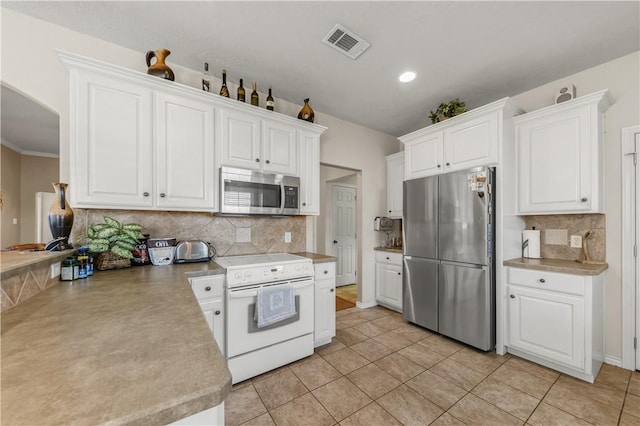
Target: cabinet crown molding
{"points": [[506, 104], [74, 61], [601, 98]]}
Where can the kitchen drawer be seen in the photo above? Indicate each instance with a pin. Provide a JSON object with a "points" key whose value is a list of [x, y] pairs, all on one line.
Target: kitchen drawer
{"points": [[388, 257], [208, 287], [324, 271], [543, 280]]}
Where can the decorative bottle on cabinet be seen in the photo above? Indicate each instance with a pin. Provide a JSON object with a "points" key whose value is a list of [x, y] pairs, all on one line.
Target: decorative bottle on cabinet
{"points": [[206, 79], [241, 92], [306, 113], [255, 99], [60, 214], [159, 68], [224, 90], [270, 101]]}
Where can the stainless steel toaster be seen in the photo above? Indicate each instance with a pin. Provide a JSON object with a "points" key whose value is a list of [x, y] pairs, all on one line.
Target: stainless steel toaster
{"points": [[194, 251]]}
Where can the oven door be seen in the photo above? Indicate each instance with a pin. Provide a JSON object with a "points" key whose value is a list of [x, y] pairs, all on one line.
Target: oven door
{"points": [[243, 334]]}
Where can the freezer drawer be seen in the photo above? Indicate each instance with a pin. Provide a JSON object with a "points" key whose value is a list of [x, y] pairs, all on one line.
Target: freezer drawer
{"points": [[420, 292], [466, 304]]}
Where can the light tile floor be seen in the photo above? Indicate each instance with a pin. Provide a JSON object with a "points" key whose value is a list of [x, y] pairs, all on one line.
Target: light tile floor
{"points": [[380, 370]]}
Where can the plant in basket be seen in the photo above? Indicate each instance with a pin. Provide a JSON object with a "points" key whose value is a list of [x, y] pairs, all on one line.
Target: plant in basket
{"points": [[113, 241]]}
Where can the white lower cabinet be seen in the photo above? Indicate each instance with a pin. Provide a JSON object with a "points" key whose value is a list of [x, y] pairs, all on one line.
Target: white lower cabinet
{"points": [[556, 320], [325, 303], [389, 280], [209, 291]]}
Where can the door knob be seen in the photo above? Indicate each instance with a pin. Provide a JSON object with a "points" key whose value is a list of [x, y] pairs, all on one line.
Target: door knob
{"points": [[335, 241]]}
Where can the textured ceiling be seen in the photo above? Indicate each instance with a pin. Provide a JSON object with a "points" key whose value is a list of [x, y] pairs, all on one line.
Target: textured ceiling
{"points": [[477, 51]]}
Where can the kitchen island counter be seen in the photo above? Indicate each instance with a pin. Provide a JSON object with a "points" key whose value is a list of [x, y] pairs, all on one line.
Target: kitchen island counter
{"points": [[128, 346]]}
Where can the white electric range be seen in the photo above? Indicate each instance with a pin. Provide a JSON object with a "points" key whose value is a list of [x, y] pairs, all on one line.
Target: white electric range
{"points": [[252, 350]]}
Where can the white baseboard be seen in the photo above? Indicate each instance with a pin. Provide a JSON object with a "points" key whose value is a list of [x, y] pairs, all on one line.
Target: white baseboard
{"points": [[365, 305], [611, 360]]}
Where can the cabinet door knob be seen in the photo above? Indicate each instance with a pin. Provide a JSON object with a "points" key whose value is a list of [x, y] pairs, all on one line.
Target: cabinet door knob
{"points": [[304, 204], [438, 165], [162, 195], [331, 290], [512, 296], [146, 194], [387, 257], [257, 160], [335, 241], [399, 273], [267, 161], [448, 164], [326, 272], [542, 280], [584, 199], [217, 312], [389, 211], [207, 288]]}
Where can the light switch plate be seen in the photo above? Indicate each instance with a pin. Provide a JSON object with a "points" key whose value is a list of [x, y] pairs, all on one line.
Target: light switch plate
{"points": [[243, 235], [576, 241], [287, 237], [556, 237]]}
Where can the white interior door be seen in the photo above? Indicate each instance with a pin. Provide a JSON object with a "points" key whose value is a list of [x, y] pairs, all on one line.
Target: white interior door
{"points": [[343, 220]]}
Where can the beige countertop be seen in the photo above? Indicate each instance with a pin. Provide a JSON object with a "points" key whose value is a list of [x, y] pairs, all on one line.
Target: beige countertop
{"points": [[128, 346], [12, 262], [389, 249], [316, 257], [557, 265]]}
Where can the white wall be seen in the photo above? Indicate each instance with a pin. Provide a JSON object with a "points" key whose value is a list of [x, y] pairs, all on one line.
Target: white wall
{"points": [[620, 76], [30, 64]]}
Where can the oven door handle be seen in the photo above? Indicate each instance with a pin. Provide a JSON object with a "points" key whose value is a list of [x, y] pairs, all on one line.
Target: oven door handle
{"points": [[239, 294]]}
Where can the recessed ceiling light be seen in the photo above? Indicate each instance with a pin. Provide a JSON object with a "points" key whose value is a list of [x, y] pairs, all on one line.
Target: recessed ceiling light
{"points": [[406, 77]]}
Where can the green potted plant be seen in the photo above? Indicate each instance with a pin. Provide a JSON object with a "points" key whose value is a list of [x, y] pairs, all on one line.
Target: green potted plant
{"points": [[448, 110], [113, 241]]}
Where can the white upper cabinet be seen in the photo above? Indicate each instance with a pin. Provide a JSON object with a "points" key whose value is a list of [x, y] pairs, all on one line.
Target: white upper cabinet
{"points": [[465, 141], [258, 144], [395, 179], [560, 157], [280, 149], [111, 143], [241, 142], [184, 130], [141, 142], [309, 173]]}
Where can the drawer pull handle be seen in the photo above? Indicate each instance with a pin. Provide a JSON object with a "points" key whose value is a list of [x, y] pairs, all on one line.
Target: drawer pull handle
{"points": [[387, 258], [217, 312], [512, 296], [146, 194], [162, 195], [542, 280], [207, 288]]}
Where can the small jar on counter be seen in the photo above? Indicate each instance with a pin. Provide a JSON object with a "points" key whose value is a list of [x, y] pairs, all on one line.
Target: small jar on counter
{"points": [[68, 270], [82, 257]]}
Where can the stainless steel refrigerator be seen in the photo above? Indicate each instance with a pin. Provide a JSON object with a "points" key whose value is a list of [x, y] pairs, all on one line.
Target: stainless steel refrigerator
{"points": [[449, 260]]}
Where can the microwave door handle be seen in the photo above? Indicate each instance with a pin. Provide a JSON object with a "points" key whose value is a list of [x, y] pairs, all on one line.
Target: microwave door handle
{"points": [[282, 197]]}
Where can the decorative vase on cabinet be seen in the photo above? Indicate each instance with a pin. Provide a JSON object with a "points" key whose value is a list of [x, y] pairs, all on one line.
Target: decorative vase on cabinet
{"points": [[159, 68], [306, 113]]}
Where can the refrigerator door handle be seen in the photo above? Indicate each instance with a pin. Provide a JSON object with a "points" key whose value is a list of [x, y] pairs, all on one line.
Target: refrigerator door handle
{"points": [[466, 265]]}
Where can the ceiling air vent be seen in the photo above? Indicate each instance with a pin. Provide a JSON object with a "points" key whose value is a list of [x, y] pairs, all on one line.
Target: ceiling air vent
{"points": [[345, 41]]}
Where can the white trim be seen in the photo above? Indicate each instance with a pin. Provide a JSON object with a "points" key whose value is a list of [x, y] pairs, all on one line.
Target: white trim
{"points": [[366, 305], [11, 146], [40, 154], [612, 360], [628, 177]]}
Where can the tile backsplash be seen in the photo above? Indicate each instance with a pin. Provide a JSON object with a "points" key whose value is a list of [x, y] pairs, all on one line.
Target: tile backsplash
{"points": [[555, 244], [266, 234]]}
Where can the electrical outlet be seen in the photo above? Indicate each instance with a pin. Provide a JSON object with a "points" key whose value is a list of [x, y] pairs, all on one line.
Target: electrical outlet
{"points": [[287, 237], [15, 221], [55, 270], [576, 241]]}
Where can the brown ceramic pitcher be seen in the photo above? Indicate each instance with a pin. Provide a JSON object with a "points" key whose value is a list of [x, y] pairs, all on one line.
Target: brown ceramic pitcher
{"points": [[159, 68]]}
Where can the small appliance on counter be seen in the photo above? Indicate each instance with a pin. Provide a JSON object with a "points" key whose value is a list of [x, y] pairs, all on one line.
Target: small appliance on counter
{"points": [[161, 250], [194, 251]]}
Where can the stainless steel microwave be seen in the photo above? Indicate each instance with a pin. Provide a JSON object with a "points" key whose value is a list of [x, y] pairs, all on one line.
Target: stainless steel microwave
{"points": [[251, 192]]}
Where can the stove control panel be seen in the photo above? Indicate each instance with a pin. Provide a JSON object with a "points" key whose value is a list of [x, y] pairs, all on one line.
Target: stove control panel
{"points": [[268, 273]]}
